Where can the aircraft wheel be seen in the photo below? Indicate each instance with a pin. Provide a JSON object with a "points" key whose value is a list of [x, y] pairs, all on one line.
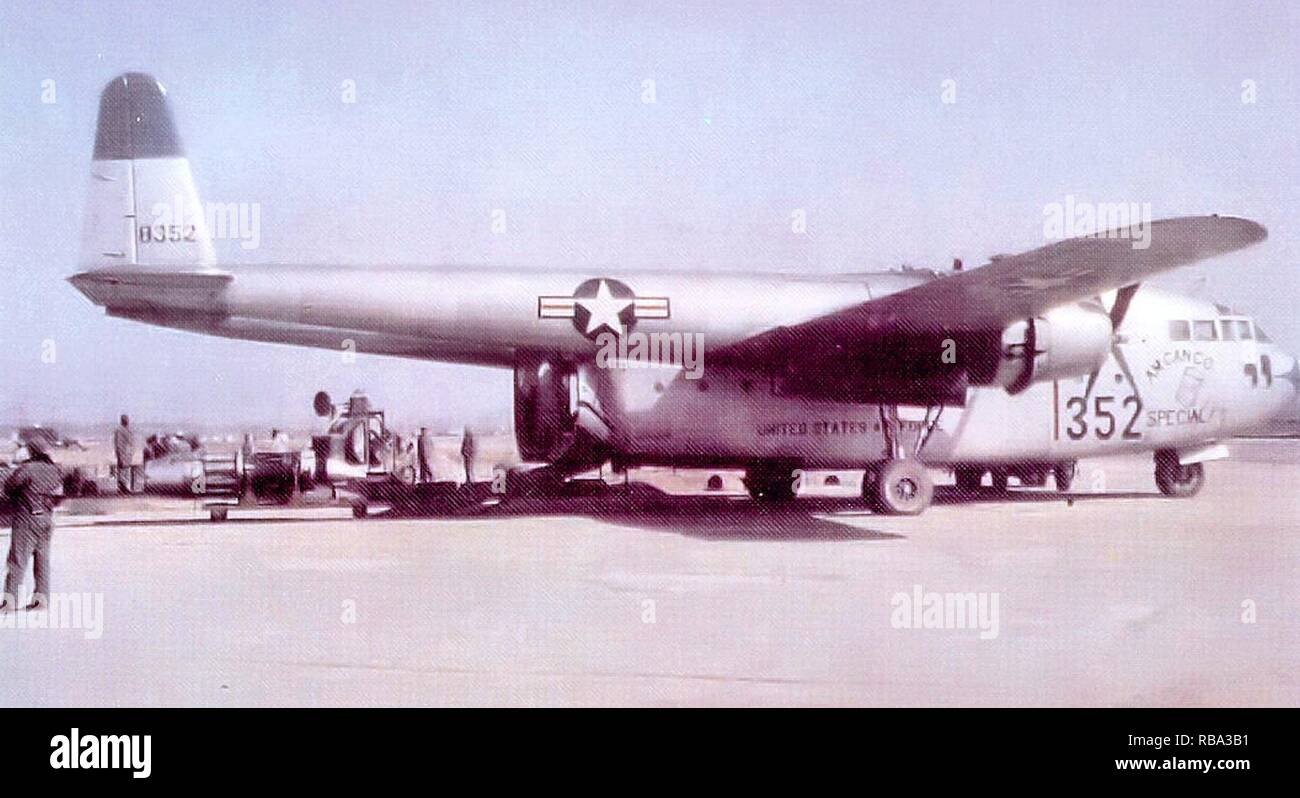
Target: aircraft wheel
{"points": [[359, 510], [968, 478], [902, 488], [218, 513], [1174, 479], [1063, 475]]}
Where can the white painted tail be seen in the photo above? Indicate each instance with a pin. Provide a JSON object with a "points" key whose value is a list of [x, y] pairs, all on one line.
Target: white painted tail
{"points": [[142, 210]]}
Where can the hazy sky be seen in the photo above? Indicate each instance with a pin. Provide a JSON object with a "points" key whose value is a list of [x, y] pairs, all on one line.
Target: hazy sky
{"points": [[539, 110]]}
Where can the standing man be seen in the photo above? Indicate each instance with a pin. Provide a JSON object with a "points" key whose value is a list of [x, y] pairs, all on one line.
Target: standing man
{"points": [[33, 488], [467, 454], [124, 451], [424, 454]]}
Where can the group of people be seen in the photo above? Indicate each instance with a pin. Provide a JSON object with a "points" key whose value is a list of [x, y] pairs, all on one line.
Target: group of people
{"points": [[424, 454], [35, 487]]}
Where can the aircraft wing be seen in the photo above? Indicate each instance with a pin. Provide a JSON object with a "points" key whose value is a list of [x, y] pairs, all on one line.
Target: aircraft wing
{"points": [[1008, 289]]}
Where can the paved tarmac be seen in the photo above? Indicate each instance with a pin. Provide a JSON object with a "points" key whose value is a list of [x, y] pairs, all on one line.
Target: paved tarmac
{"points": [[644, 598]]}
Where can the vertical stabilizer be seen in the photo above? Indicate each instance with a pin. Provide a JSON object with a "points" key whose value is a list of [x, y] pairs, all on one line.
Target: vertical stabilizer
{"points": [[142, 209]]}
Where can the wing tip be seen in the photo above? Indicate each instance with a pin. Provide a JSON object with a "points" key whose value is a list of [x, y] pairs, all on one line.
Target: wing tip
{"points": [[1233, 232], [1248, 230]]}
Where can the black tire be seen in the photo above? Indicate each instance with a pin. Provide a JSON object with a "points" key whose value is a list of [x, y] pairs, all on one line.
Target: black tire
{"points": [[359, 510], [902, 488], [1176, 480], [968, 478], [1063, 475]]}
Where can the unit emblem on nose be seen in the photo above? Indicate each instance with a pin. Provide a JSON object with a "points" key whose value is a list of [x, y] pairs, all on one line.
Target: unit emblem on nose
{"points": [[602, 304]]}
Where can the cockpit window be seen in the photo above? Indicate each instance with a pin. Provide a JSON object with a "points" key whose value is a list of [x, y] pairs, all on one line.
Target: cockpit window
{"points": [[1228, 330], [1243, 330], [1260, 336], [1204, 331], [1180, 331]]}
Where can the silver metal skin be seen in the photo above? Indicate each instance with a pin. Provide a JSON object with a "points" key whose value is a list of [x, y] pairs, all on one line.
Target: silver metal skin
{"points": [[1074, 386]]}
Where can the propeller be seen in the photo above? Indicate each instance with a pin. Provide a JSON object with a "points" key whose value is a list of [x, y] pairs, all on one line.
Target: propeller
{"points": [[1123, 299]]}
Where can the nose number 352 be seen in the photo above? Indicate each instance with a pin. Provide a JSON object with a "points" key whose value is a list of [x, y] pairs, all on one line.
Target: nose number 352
{"points": [[1105, 417]]}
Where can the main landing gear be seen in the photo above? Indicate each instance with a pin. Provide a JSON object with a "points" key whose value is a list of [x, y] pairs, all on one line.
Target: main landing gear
{"points": [[900, 485], [1175, 479]]}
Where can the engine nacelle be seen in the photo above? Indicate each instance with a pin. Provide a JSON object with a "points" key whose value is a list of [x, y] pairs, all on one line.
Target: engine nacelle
{"points": [[1068, 341], [543, 408], [558, 412]]}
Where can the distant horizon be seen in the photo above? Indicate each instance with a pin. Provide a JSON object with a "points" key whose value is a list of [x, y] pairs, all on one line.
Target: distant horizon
{"points": [[72, 428]]}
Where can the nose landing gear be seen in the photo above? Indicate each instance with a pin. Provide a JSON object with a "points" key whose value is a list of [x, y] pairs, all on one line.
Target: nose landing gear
{"points": [[1175, 479]]}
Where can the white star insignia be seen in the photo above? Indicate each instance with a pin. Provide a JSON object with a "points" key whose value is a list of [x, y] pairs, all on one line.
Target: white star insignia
{"points": [[604, 309]]}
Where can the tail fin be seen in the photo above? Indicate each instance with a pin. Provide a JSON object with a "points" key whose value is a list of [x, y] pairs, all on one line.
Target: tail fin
{"points": [[142, 209]]}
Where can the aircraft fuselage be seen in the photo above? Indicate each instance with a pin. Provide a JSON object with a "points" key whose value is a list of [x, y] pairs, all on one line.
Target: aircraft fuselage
{"points": [[1152, 391]]}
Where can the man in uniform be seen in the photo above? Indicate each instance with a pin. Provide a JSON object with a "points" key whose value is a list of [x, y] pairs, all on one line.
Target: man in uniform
{"points": [[33, 488], [467, 454], [424, 454], [124, 450]]}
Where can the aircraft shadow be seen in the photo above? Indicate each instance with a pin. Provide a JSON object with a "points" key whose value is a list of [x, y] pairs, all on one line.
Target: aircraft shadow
{"points": [[644, 507], [817, 518], [640, 506]]}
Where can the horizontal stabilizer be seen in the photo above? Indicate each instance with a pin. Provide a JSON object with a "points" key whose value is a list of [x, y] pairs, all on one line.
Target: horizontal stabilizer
{"points": [[120, 290]]}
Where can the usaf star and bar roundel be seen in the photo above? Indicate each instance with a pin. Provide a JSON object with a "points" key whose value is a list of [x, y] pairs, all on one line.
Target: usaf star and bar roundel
{"points": [[601, 304]]}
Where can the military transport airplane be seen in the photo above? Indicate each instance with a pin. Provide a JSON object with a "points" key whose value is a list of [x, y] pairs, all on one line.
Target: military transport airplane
{"points": [[1015, 369]]}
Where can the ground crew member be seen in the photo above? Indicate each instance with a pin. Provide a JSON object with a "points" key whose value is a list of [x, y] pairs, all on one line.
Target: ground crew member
{"points": [[424, 454], [124, 451], [33, 488], [467, 454]]}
